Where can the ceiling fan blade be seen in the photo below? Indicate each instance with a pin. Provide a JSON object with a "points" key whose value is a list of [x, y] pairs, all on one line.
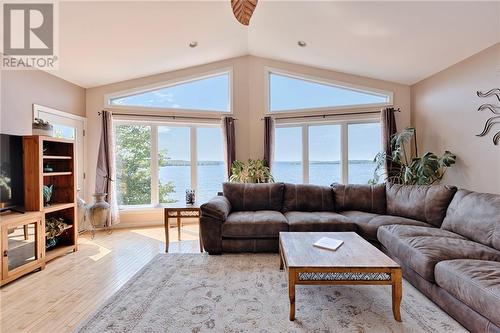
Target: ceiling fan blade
{"points": [[243, 10]]}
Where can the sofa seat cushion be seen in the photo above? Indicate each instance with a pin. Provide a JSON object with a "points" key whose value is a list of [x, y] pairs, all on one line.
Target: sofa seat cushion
{"points": [[421, 248], [318, 221], [368, 223], [259, 224], [474, 282]]}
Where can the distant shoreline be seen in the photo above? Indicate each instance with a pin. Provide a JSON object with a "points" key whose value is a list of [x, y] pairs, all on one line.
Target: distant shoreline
{"points": [[187, 163]]}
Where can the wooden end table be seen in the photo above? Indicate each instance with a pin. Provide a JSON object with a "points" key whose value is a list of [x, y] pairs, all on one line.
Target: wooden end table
{"points": [[179, 212], [356, 262]]}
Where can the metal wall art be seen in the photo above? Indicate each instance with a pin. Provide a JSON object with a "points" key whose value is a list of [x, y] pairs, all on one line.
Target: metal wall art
{"points": [[495, 109]]}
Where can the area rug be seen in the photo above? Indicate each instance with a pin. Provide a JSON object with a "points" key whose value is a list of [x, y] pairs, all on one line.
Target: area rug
{"points": [[248, 293]]}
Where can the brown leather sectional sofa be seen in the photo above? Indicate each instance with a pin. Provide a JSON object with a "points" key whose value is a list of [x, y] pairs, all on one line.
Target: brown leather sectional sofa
{"points": [[446, 240]]}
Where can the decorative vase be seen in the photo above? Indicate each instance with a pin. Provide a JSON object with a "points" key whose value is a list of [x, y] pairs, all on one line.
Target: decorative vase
{"points": [[47, 194], [98, 213], [82, 210]]}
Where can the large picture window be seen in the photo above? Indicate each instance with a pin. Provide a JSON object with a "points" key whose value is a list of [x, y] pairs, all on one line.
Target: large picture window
{"points": [[290, 92], [206, 93], [287, 165], [133, 164], [327, 152], [156, 162]]}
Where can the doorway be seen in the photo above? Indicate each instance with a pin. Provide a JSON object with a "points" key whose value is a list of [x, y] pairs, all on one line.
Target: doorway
{"points": [[68, 126]]}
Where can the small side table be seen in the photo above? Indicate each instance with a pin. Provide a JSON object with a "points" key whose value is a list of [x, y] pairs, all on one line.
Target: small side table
{"points": [[179, 212]]}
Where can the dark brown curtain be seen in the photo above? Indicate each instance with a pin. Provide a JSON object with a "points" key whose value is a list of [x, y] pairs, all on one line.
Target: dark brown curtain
{"points": [[106, 172], [229, 142], [268, 140], [388, 122]]}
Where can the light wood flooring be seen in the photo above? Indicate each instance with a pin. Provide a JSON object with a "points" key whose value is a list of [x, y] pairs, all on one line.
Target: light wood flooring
{"points": [[72, 287]]}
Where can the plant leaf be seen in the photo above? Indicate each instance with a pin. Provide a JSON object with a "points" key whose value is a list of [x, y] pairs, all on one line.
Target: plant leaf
{"points": [[448, 159]]}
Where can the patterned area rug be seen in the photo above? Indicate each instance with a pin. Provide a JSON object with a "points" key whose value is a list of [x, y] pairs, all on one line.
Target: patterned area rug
{"points": [[248, 293]]}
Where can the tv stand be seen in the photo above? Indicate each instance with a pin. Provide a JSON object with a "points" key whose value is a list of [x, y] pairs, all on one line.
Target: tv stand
{"points": [[21, 246], [20, 257], [13, 210]]}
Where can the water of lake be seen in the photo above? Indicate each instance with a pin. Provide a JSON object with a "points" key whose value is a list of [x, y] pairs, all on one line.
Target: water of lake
{"points": [[210, 177]]}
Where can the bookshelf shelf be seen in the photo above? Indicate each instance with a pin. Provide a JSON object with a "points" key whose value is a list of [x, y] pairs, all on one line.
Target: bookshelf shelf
{"points": [[57, 207], [58, 251], [55, 157], [62, 173]]}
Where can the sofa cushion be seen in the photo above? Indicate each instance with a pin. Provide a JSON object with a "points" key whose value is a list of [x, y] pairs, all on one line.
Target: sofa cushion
{"points": [[318, 221], [308, 198], [475, 216], [422, 248], [358, 217], [366, 198], [247, 197], [474, 282], [250, 224], [368, 223], [419, 202]]}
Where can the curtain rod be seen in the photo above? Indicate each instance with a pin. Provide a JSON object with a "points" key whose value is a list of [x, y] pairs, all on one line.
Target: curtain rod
{"points": [[328, 115], [163, 116]]}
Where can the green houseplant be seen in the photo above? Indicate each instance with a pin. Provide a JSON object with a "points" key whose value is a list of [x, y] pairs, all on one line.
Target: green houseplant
{"points": [[407, 167], [252, 171]]}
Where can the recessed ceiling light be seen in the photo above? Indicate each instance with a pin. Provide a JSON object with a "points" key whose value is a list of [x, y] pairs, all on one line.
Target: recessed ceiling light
{"points": [[301, 43], [193, 45]]}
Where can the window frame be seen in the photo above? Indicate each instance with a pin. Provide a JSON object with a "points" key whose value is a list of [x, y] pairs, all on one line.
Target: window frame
{"points": [[311, 111], [193, 126], [344, 122], [171, 83]]}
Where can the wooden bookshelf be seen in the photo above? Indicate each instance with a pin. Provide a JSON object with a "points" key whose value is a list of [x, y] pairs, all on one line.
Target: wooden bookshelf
{"points": [[57, 158]]}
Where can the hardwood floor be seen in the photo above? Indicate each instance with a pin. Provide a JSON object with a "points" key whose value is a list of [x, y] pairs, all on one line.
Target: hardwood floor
{"points": [[72, 287]]}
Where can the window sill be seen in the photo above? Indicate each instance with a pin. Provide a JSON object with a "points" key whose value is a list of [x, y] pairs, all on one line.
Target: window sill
{"points": [[139, 209]]}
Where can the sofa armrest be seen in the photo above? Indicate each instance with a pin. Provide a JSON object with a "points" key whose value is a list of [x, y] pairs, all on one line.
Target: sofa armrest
{"points": [[217, 208]]}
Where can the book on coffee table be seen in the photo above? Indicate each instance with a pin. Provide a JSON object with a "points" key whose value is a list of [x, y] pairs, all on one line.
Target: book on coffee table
{"points": [[328, 243]]}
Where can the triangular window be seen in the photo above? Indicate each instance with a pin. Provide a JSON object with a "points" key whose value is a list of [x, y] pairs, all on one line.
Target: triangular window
{"points": [[291, 93], [210, 93]]}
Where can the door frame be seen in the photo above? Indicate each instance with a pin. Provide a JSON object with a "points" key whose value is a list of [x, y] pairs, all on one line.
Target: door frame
{"points": [[37, 108]]}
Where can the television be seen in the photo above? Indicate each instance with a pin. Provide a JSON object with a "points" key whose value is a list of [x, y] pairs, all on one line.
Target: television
{"points": [[11, 173]]}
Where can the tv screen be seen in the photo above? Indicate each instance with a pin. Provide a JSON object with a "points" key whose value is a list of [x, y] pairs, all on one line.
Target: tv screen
{"points": [[11, 173]]}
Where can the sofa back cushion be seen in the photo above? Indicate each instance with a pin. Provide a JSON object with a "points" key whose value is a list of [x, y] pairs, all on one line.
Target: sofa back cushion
{"points": [[366, 198], [419, 202], [254, 197], [308, 198], [475, 216]]}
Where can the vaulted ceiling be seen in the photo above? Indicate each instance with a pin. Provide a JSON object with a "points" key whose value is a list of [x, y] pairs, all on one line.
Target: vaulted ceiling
{"points": [[105, 42]]}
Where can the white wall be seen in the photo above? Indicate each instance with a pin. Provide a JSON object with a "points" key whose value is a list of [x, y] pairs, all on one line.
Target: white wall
{"points": [[445, 114], [20, 89]]}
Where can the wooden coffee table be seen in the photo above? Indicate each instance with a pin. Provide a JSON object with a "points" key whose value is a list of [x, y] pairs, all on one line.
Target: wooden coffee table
{"points": [[355, 262]]}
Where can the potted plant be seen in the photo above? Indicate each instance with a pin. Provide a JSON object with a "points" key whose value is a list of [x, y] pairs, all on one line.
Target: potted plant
{"points": [[252, 171], [41, 127], [407, 168]]}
